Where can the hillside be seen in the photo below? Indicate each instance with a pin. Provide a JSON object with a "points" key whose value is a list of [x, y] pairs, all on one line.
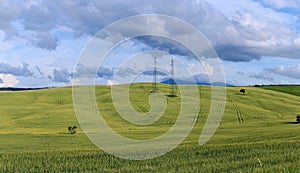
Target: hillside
{"points": [[257, 133], [289, 89]]}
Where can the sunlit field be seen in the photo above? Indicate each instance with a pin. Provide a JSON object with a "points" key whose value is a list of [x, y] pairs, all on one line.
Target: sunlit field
{"points": [[258, 132]]}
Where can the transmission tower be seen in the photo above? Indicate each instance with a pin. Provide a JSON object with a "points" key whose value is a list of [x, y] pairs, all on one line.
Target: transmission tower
{"points": [[154, 84], [172, 87]]}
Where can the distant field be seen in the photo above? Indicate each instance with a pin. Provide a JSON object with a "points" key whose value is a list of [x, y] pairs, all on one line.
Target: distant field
{"points": [[290, 89], [257, 133]]}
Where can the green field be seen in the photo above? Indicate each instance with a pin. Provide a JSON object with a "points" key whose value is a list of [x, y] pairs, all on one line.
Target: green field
{"points": [[258, 132], [290, 89]]}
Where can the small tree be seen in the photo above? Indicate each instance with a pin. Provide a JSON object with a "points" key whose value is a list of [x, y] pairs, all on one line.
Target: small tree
{"points": [[243, 91], [72, 130]]}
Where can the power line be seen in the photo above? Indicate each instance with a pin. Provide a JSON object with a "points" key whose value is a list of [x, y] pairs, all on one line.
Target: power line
{"points": [[172, 80], [154, 84]]}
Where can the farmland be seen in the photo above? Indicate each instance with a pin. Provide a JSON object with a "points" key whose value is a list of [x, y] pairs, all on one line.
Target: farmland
{"points": [[257, 133]]}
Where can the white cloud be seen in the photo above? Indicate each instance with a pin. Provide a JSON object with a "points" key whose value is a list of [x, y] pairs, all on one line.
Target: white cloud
{"points": [[61, 75], [8, 13], [111, 82], [254, 34], [8, 80], [288, 71], [262, 76], [244, 28], [18, 71], [256, 9], [239, 30], [197, 67], [75, 81], [283, 3]]}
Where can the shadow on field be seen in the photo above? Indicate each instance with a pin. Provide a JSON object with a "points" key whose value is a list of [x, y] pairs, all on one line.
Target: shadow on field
{"points": [[240, 94], [290, 123]]}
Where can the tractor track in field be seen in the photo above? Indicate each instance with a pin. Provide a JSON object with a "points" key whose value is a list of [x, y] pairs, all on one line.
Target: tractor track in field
{"points": [[260, 104], [278, 115], [239, 113], [93, 102], [143, 108], [200, 113], [229, 99], [275, 114]]}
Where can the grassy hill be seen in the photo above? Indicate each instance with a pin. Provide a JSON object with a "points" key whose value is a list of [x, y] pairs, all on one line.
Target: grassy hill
{"points": [[257, 133], [290, 89]]}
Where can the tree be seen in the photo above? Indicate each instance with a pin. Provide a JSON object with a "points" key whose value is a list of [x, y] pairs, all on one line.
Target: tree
{"points": [[243, 91], [72, 130]]}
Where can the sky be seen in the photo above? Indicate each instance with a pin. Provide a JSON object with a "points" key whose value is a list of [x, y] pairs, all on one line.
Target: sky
{"points": [[257, 41]]}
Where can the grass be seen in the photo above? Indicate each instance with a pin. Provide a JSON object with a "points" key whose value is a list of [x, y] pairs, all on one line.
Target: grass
{"points": [[257, 133], [220, 158], [290, 89]]}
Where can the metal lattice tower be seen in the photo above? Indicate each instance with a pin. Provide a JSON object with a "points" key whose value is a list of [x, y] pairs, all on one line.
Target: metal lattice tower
{"points": [[172, 87], [154, 84]]}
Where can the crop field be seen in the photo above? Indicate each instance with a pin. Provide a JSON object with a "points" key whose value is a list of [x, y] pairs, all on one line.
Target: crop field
{"points": [[290, 89], [258, 132]]}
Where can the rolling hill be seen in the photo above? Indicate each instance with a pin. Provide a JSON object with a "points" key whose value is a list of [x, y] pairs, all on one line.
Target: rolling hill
{"points": [[258, 132]]}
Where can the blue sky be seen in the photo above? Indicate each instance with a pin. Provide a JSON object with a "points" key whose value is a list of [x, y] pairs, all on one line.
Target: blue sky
{"points": [[258, 41]]}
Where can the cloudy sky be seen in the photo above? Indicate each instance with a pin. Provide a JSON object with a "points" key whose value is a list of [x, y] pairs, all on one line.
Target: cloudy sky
{"points": [[258, 41]]}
